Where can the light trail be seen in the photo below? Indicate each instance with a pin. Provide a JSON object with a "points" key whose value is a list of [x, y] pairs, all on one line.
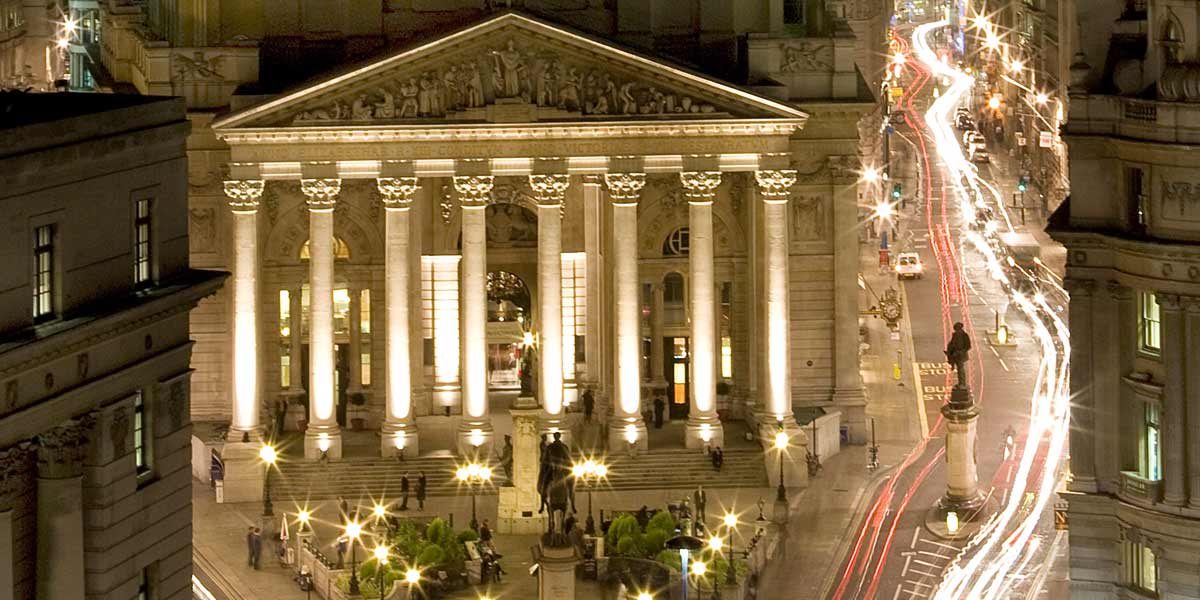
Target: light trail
{"points": [[1004, 546]]}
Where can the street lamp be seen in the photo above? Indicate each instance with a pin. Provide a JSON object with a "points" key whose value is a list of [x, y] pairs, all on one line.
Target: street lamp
{"points": [[590, 472], [268, 456], [731, 522], [471, 475], [781, 443], [685, 543], [381, 558], [645, 596], [353, 531]]}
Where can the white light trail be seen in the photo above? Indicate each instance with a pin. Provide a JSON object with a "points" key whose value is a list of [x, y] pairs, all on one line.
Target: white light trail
{"points": [[1004, 546]]}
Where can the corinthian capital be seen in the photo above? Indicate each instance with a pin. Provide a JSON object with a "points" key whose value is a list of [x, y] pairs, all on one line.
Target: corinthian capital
{"points": [[397, 192], [474, 190], [549, 190], [775, 185], [60, 450], [700, 186], [625, 188], [321, 193], [14, 463], [243, 194]]}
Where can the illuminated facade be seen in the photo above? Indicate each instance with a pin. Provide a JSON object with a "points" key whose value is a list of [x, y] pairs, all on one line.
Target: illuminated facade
{"points": [[1133, 271]]}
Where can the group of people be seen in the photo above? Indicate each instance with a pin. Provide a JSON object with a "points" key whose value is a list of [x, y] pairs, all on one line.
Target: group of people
{"points": [[254, 544], [422, 486]]}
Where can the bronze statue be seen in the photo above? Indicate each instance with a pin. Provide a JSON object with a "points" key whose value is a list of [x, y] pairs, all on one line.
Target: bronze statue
{"points": [[957, 353], [555, 490]]}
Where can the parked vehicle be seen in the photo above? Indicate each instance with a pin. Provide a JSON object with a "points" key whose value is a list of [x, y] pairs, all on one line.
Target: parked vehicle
{"points": [[908, 266], [979, 154]]}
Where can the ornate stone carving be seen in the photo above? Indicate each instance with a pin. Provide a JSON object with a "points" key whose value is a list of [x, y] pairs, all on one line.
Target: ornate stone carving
{"points": [[549, 190], [625, 188], [775, 185], [446, 203], [60, 450], [82, 365], [737, 191], [805, 57], [321, 193], [1180, 200], [510, 225], [14, 469], [1168, 302], [843, 167], [270, 198], [474, 190], [197, 68], [1079, 287], [243, 194], [120, 430], [397, 192], [202, 229], [808, 218], [700, 186]]}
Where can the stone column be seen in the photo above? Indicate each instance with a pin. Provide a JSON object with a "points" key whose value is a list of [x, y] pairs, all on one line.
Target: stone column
{"points": [[243, 202], [296, 324], [475, 427], [355, 375], [775, 187], [549, 191], [15, 463], [1106, 390], [1082, 432], [657, 378], [399, 431], [1174, 400], [322, 421], [625, 190], [60, 534], [703, 426], [1192, 344], [593, 242]]}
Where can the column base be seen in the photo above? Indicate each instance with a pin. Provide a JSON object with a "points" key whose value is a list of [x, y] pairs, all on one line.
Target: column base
{"points": [[475, 437], [243, 472], [571, 395], [245, 436], [970, 514], [699, 428], [556, 575], [619, 431], [399, 440], [314, 438]]}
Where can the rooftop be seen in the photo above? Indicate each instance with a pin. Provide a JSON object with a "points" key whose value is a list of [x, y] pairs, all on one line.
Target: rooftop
{"points": [[34, 120]]}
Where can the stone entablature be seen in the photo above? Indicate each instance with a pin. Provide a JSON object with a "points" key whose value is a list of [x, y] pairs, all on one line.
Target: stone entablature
{"points": [[1135, 119], [1135, 263]]}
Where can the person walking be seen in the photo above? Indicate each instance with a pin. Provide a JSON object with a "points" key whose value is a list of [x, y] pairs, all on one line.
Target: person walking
{"points": [[404, 492], [343, 507], [421, 483], [256, 547], [589, 406], [659, 406], [718, 458], [342, 545], [250, 547]]}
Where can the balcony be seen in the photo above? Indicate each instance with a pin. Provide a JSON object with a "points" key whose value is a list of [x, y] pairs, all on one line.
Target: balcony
{"points": [[1139, 489], [1150, 120]]}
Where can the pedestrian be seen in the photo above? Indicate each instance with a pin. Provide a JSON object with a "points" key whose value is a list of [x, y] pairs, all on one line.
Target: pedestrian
{"points": [[343, 507], [342, 545], [404, 491], [643, 516], [485, 533], [589, 406], [256, 546], [718, 458], [701, 500], [250, 547], [542, 448], [421, 486], [659, 406]]}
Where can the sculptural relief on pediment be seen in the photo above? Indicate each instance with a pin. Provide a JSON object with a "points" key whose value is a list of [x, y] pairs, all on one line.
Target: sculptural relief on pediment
{"points": [[520, 76]]}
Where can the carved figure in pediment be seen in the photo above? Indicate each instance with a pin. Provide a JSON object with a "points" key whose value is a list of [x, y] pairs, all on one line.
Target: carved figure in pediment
{"points": [[568, 91], [685, 105], [361, 110], [608, 89], [548, 88], [508, 70], [473, 83], [429, 98], [591, 89], [387, 108], [408, 98], [658, 101], [451, 90], [628, 101], [510, 224]]}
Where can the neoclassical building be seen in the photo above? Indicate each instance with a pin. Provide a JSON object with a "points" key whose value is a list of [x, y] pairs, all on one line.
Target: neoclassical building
{"points": [[402, 233], [1132, 232]]}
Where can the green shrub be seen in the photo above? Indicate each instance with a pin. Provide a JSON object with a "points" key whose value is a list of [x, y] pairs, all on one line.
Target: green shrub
{"points": [[628, 546], [662, 520], [619, 528], [652, 541], [431, 556], [467, 535], [670, 558]]}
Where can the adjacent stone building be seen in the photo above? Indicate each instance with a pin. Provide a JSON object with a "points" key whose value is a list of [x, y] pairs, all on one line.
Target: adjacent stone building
{"points": [[1132, 232], [95, 291]]}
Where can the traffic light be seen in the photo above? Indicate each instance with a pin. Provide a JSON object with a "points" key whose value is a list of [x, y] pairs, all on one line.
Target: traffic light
{"points": [[896, 192], [1023, 183]]}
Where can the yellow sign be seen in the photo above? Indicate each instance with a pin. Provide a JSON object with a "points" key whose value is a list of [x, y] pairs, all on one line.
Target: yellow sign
{"points": [[897, 92]]}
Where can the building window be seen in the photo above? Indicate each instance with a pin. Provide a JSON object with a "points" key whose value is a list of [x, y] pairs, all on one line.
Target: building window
{"points": [[141, 427], [143, 589], [341, 311], [1135, 195], [574, 309], [43, 272], [364, 312], [305, 302], [365, 362], [364, 328], [439, 315], [285, 338], [676, 244], [143, 219], [1150, 335], [1151, 463], [1141, 566], [726, 328], [340, 250]]}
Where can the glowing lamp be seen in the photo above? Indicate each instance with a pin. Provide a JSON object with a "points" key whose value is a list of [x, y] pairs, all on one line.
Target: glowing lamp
{"points": [[353, 530], [706, 432], [323, 442], [379, 511], [631, 433], [645, 596], [1016, 66], [399, 440], [870, 175], [476, 438], [715, 544], [994, 102], [527, 339], [699, 568], [601, 470], [731, 520], [952, 522], [62, 43], [461, 474], [781, 440], [485, 473], [303, 516], [1002, 335], [1042, 98], [883, 210], [412, 576], [267, 454], [381, 554]]}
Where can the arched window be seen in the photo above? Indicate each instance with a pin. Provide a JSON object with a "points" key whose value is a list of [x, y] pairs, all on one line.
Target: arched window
{"points": [[676, 244], [340, 249]]}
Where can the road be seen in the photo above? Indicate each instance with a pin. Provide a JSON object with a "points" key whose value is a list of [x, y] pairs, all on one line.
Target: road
{"points": [[955, 224]]}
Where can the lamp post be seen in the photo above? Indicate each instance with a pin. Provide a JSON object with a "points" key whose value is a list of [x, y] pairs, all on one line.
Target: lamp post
{"points": [[685, 543], [781, 443], [731, 522], [412, 577], [268, 456], [589, 472], [471, 475], [353, 531], [381, 558]]}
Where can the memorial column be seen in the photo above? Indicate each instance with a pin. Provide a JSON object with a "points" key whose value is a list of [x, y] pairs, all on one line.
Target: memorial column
{"points": [[399, 431], [323, 434]]}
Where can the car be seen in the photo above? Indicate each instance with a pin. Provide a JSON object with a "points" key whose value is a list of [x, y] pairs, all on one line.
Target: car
{"points": [[979, 154], [972, 139], [908, 266], [964, 122]]}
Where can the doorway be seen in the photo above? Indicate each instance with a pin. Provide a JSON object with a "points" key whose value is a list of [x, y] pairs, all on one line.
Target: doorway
{"points": [[341, 379], [678, 375]]}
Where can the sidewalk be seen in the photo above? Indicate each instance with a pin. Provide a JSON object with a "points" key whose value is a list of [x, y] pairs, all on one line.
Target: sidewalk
{"points": [[824, 518]]}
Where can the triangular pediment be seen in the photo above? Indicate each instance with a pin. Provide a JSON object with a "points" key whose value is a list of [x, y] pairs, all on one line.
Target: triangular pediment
{"points": [[509, 69]]}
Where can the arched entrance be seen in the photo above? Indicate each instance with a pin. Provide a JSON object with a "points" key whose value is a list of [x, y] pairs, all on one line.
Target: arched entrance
{"points": [[509, 310]]}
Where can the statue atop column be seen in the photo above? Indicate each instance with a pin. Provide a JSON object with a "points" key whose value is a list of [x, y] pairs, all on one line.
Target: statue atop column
{"points": [[528, 373], [958, 352]]}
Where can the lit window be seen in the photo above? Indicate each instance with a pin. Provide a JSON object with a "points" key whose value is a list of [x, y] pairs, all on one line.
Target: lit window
{"points": [[141, 242], [340, 249], [143, 590], [341, 311], [726, 357], [364, 312], [305, 302], [43, 272], [285, 313], [1151, 327], [439, 315], [141, 452], [365, 362], [1151, 464], [574, 310], [1141, 566], [677, 243], [285, 365]]}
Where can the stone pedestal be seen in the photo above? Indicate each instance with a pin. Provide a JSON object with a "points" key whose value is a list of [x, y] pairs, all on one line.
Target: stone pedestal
{"points": [[556, 573], [618, 442], [313, 437], [518, 505], [962, 476], [243, 472], [699, 428]]}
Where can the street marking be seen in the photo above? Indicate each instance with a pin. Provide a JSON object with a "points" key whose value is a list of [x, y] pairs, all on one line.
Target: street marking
{"points": [[924, 573], [920, 398], [916, 535], [921, 562], [1002, 364], [907, 563], [933, 554], [947, 546]]}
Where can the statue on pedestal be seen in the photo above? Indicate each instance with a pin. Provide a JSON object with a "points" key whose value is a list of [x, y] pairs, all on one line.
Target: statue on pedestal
{"points": [[958, 352], [528, 372], [555, 489]]}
